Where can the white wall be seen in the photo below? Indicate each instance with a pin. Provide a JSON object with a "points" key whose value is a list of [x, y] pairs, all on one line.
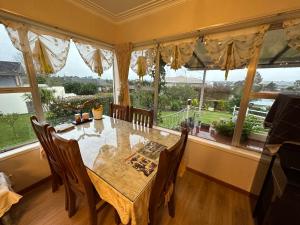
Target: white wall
{"points": [[13, 103], [24, 168]]}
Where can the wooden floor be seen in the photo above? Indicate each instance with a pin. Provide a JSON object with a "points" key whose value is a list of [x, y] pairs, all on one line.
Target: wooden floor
{"points": [[199, 201]]}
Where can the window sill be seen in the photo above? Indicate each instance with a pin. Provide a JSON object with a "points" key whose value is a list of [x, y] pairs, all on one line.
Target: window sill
{"points": [[222, 147], [18, 151]]}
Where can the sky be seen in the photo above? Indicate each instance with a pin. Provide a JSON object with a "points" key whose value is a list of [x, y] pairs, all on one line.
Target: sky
{"points": [[75, 66]]}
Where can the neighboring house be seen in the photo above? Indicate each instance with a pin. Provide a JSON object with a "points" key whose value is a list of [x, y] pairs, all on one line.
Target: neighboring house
{"points": [[183, 80], [12, 74], [58, 91]]}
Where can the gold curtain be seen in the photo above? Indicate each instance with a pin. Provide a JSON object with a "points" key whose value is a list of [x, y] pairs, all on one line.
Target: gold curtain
{"points": [[123, 55]]}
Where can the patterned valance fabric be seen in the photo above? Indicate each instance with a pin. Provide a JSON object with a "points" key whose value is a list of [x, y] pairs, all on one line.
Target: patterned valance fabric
{"points": [[177, 54], [14, 31], [234, 49], [292, 33], [49, 51], [96, 58], [143, 61]]}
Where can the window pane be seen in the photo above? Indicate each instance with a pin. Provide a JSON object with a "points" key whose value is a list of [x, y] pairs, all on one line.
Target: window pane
{"points": [[12, 68], [63, 94], [211, 116], [277, 80], [279, 65], [15, 111], [255, 134], [141, 90]]}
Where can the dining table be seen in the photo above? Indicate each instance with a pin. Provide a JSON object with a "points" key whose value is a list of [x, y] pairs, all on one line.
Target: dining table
{"points": [[122, 160]]}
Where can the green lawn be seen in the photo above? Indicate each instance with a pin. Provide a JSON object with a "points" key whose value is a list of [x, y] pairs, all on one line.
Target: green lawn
{"points": [[23, 132], [205, 117]]}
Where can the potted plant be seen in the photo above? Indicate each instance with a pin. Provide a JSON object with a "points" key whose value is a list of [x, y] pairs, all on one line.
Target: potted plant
{"points": [[205, 127], [97, 111]]}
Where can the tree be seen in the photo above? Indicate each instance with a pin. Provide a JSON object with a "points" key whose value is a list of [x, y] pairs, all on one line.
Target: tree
{"points": [[10, 119], [257, 86], [81, 88], [47, 97], [258, 78], [297, 84], [271, 86], [41, 79]]}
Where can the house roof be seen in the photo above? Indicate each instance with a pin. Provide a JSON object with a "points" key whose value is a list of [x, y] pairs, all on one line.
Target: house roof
{"points": [[11, 68], [183, 79]]}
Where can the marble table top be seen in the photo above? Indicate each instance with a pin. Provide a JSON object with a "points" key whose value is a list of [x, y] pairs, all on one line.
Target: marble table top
{"points": [[107, 144]]}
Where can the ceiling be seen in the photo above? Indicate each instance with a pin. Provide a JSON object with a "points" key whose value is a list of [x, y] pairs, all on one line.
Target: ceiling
{"points": [[118, 11]]}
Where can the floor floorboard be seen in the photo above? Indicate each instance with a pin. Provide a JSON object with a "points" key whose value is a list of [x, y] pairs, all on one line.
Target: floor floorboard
{"points": [[199, 201]]}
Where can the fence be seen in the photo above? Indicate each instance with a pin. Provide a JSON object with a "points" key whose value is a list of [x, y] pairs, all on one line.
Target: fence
{"points": [[172, 121]]}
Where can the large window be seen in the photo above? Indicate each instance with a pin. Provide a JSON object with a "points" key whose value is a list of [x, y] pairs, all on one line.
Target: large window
{"points": [[203, 99], [74, 89], [229, 111], [57, 96], [278, 71], [14, 110]]}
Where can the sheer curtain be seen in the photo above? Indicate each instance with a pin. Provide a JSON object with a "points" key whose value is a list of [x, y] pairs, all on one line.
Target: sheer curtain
{"points": [[234, 49], [123, 55], [143, 61], [49, 51], [177, 54], [97, 58], [292, 33]]}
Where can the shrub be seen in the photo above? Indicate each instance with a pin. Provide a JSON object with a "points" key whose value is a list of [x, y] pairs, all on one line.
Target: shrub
{"points": [[175, 105], [63, 110], [81, 88], [226, 128]]}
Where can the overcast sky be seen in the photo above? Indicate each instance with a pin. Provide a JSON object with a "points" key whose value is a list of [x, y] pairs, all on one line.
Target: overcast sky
{"points": [[75, 66]]}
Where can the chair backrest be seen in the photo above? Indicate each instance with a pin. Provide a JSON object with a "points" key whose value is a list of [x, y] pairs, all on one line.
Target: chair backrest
{"points": [[119, 112], [141, 117], [75, 172], [168, 165], [45, 140]]}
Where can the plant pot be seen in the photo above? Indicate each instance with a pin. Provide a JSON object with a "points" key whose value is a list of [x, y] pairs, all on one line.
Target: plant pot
{"points": [[97, 113], [205, 127], [258, 136]]}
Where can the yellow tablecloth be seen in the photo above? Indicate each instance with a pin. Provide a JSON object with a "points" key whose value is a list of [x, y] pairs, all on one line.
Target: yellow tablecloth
{"points": [[7, 196]]}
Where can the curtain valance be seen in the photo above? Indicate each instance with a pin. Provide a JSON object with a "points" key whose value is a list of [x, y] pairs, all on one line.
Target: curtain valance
{"points": [[49, 51], [177, 54], [292, 33], [143, 61], [96, 58], [234, 49]]}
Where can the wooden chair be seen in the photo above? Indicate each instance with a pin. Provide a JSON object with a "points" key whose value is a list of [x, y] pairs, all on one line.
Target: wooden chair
{"points": [[55, 168], [77, 178], [165, 180], [119, 112], [141, 117]]}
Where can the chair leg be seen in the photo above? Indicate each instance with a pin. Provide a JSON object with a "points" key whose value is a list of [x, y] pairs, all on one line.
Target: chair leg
{"points": [[71, 203], [66, 197], [153, 216], [117, 217], [171, 204], [55, 182], [93, 215]]}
